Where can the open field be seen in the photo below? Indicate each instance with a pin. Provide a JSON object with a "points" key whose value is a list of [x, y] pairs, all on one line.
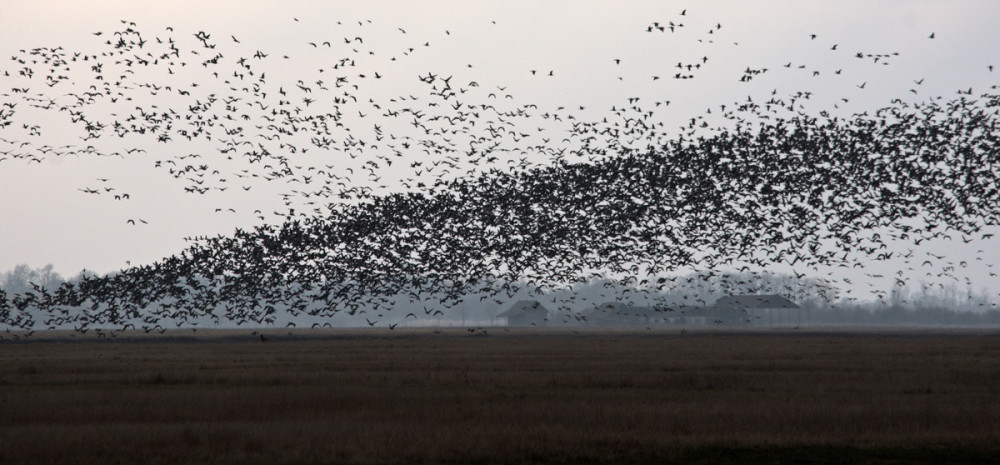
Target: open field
{"points": [[706, 396]]}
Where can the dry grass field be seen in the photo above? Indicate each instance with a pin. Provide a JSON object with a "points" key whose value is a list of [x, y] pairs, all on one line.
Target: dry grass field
{"points": [[416, 397]]}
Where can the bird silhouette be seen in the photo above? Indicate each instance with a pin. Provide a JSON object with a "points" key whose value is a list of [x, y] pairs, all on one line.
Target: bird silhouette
{"points": [[494, 205]]}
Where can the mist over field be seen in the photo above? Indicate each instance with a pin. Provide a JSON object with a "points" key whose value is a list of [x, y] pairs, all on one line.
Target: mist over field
{"points": [[663, 303]]}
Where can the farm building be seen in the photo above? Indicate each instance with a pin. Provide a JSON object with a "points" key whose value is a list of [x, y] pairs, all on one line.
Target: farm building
{"points": [[760, 310], [526, 313], [765, 310]]}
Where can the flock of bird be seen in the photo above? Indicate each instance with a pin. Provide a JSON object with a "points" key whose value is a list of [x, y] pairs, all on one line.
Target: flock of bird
{"points": [[495, 198]]}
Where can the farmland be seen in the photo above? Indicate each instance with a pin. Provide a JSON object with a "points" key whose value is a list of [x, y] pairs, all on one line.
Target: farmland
{"points": [[496, 396]]}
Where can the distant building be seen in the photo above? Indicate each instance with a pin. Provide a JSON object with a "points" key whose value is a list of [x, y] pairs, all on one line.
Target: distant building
{"points": [[764, 310], [526, 313], [758, 310]]}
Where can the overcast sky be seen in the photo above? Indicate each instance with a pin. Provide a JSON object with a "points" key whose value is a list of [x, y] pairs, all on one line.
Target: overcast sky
{"points": [[572, 47]]}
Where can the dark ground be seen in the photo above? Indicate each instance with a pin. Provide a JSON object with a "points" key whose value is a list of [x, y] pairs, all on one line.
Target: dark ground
{"points": [[557, 396]]}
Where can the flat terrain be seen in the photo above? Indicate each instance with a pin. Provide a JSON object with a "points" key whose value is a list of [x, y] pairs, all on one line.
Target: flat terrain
{"points": [[416, 396]]}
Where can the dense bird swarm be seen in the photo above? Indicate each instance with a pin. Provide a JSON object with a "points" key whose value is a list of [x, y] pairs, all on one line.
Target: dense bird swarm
{"points": [[498, 197]]}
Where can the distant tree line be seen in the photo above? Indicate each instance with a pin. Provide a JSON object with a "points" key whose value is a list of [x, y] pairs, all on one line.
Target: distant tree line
{"points": [[20, 279], [880, 313]]}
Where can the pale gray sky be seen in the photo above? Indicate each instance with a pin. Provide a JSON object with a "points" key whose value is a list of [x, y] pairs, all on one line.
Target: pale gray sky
{"points": [[47, 218]]}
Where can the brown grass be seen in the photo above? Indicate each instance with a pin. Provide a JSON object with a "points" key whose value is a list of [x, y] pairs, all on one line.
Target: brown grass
{"points": [[557, 397]]}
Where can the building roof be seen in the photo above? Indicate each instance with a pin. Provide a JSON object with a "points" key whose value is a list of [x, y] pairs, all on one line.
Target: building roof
{"points": [[755, 301], [524, 306]]}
